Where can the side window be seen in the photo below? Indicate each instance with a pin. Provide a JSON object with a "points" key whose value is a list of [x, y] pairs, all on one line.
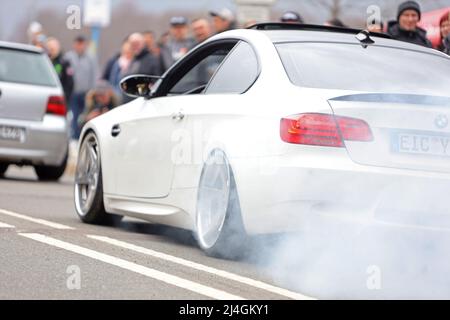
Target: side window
{"points": [[196, 79], [237, 73]]}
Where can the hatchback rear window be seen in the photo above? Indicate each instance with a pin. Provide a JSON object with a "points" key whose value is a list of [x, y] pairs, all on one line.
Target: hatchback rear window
{"points": [[374, 69], [26, 68]]}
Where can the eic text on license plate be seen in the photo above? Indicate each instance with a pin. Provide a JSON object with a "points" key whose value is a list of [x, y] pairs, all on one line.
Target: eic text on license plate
{"points": [[421, 143]]}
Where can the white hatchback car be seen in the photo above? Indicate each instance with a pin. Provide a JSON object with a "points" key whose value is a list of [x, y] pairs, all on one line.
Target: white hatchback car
{"points": [[33, 125], [270, 129]]}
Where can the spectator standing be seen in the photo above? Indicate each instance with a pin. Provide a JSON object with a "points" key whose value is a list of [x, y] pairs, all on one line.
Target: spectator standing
{"points": [[444, 26], [178, 44], [223, 20], [34, 31], [150, 42], [84, 74], [118, 66], [61, 65], [406, 27], [201, 30], [163, 39], [143, 61]]}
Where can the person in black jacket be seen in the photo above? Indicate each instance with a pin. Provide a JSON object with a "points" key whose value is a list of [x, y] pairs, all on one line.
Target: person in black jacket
{"points": [[144, 62], [406, 27], [62, 66], [106, 75]]}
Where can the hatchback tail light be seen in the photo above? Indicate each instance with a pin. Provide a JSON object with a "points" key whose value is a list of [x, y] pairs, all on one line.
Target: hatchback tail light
{"points": [[323, 129], [56, 105]]}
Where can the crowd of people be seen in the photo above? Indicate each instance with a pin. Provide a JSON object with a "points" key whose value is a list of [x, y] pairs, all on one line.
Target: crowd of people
{"points": [[91, 93]]}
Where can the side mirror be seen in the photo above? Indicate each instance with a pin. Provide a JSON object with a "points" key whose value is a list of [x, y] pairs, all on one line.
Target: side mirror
{"points": [[136, 86]]}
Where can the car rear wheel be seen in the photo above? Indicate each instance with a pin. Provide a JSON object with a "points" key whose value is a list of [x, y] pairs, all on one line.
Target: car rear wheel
{"points": [[219, 227], [3, 168], [88, 185], [51, 173]]}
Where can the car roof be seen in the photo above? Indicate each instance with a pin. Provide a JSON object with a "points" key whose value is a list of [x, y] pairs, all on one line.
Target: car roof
{"points": [[282, 33], [318, 36], [20, 47]]}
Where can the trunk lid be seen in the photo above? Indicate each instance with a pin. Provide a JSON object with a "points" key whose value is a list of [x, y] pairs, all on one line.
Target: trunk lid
{"points": [[24, 102], [409, 131], [27, 80]]}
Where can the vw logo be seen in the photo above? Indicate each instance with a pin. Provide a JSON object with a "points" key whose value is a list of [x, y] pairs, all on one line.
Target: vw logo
{"points": [[441, 121]]}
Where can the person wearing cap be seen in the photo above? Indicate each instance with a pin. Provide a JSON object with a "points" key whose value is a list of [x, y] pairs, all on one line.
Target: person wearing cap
{"points": [[178, 44], [84, 75], [291, 17], [406, 27], [444, 27], [223, 20]]}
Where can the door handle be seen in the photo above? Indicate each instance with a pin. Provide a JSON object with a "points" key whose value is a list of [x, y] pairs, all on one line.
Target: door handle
{"points": [[115, 131], [178, 116]]}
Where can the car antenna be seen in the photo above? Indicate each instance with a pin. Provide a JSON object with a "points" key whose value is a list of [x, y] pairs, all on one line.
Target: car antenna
{"points": [[364, 38]]}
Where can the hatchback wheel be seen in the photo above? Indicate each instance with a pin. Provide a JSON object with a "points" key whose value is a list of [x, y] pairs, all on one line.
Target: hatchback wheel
{"points": [[51, 173], [88, 185], [219, 227], [3, 168]]}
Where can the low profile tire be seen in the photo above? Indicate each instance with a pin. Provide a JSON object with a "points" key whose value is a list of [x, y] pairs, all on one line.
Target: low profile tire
{"points": [[3, 168], [89, 187], [219, 228], [51, 173]]}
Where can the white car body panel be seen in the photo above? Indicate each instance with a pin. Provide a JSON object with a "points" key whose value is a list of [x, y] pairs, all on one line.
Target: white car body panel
{"points": [[277, 182]]}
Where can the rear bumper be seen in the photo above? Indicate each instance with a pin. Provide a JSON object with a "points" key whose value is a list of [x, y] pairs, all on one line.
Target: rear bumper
{"points": [[285, 193], [46, 142]]}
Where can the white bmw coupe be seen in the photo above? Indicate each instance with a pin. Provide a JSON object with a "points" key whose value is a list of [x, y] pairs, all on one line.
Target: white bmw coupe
{"points": [[268, 129]]}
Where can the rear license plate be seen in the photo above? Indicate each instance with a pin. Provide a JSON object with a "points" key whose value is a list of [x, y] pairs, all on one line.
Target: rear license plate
{"points": [[418, 143], [12, 133]]}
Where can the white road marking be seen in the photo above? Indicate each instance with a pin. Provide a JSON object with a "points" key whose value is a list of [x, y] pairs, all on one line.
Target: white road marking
{"points": [[124, 264], [50, 224], [6, 226], [200, 267]]}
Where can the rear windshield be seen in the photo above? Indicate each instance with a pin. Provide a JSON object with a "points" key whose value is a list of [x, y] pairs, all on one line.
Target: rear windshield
{"points": [[25, 67], [374, 69]]}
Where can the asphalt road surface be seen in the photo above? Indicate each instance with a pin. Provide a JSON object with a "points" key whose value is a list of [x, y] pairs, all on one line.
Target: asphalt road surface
{"points": [[47, 253]]}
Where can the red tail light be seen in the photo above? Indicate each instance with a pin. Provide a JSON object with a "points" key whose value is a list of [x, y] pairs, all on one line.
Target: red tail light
{"points": [[56, 105], [323, 129]]}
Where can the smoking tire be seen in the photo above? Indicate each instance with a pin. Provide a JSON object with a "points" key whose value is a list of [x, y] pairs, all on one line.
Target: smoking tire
{"points": [[219, 228]]}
